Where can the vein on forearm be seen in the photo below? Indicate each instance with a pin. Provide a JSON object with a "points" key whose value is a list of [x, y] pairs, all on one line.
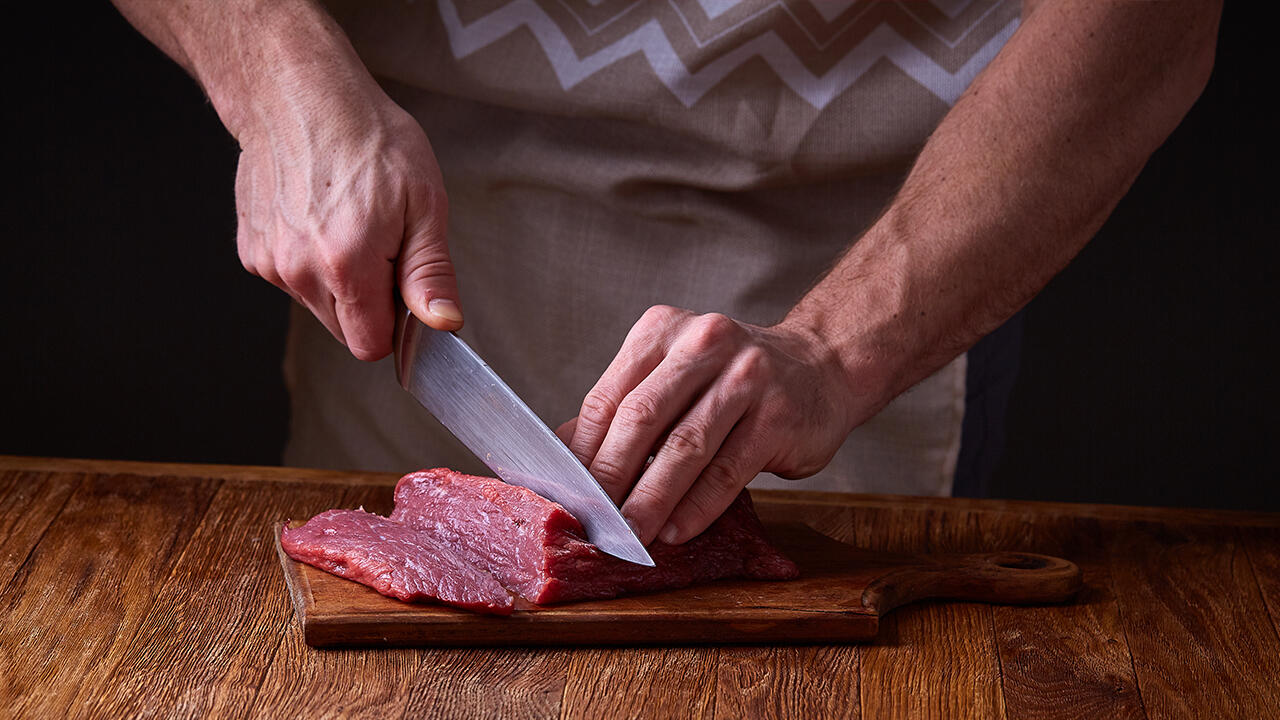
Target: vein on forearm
{"points": [[1017, 177]]}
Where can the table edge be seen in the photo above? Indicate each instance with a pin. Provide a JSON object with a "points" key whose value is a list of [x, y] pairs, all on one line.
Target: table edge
{"points": [[270, 474]]}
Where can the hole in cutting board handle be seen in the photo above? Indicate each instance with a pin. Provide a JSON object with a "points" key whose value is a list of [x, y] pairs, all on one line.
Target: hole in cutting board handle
{"points": [[1017, 561]]}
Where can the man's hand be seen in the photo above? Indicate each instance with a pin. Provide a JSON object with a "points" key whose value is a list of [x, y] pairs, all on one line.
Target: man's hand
{"points": [[338, 195], [1015, 180], [340, 203], [715, 402]]}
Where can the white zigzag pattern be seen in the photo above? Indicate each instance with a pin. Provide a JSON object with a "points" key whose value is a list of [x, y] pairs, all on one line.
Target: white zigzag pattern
{"points": [[650, 41]]}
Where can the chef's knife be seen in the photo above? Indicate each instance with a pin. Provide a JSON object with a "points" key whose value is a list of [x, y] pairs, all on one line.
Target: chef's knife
{"points": [[469, 399]]}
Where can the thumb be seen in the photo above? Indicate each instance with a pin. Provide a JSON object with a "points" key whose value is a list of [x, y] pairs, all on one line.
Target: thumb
{"points": [[427, 281]]}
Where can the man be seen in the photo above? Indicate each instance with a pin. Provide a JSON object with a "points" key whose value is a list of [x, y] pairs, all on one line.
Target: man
{"points": [[710, 159]]}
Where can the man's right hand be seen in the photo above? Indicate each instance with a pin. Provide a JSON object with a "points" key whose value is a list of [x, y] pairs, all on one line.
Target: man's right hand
{"points": [[338, 195], [336, 202]]}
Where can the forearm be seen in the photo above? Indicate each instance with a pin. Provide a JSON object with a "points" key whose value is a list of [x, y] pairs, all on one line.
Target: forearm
{"points": [[339, 200], [253, 56], [1015, 180]]}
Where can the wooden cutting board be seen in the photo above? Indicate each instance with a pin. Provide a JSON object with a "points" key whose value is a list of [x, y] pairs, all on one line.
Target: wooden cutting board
{"points": [[840, 597]]}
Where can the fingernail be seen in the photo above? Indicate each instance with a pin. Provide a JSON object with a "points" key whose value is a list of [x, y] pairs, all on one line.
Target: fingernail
{"points": [[445, 309], [669, 534]]}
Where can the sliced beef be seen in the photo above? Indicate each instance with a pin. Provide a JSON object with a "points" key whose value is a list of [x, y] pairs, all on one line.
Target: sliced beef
{"points": [[394, 559], [536, 548]]}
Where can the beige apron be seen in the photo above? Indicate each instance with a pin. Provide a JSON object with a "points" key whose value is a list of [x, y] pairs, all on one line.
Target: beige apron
{"points": [[603, 157]]}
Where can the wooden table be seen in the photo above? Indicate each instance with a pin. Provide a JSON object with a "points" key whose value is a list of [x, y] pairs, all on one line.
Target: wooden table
{"points": [[134, 589]]}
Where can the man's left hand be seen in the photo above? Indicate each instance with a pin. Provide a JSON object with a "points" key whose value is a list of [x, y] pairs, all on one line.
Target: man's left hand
{"points": [[694, 406]]}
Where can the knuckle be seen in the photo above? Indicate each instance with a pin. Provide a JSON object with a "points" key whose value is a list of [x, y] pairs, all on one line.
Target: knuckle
{"points": [[717, 324], [659, 321], [423, 269], [644, 499], [711, 494], [340, 270], [721, 477], [711, 331], [661, 315], [688, 441], [246, 253], [271, 274], [703, 504], [609, 473], [639, 408], [294, 274], [597, 408], [344, 288], [656, 328]]}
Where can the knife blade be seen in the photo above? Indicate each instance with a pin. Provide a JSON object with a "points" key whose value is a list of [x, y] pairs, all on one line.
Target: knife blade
{"points": [[452, 382]]}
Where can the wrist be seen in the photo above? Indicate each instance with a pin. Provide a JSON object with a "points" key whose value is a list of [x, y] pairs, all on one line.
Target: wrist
{"points": [[858, 374], [869, 316]]}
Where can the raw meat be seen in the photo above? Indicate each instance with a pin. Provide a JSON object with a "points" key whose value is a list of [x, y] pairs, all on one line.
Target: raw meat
{"points": [[394, 559], [538, 550], [472, 541]]}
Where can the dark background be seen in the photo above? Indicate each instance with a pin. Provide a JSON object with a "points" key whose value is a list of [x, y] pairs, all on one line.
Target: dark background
{"points": [[131, 331]]}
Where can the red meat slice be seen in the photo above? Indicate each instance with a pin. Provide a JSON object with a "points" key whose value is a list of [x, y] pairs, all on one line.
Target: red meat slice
{"points": [[538, 550], [394, 559]]}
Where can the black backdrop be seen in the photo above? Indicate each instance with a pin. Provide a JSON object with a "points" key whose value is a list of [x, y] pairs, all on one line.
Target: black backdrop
{"points": [[130, 330]]}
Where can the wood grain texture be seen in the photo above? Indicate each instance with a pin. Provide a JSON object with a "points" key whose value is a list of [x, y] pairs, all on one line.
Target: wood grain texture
{"points": [[123, 599], [787, 682], [1192, 588], [1263, 547], [352, 683], [512, 683], [792, 682], [219, 616], [304, 682], [660, 683], [931, 659], [1070, 660], [88, 586], [28, 503]]}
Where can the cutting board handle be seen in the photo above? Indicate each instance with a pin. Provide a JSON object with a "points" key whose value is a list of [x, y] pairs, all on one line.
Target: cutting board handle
{"points": [[1014, 578]]}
